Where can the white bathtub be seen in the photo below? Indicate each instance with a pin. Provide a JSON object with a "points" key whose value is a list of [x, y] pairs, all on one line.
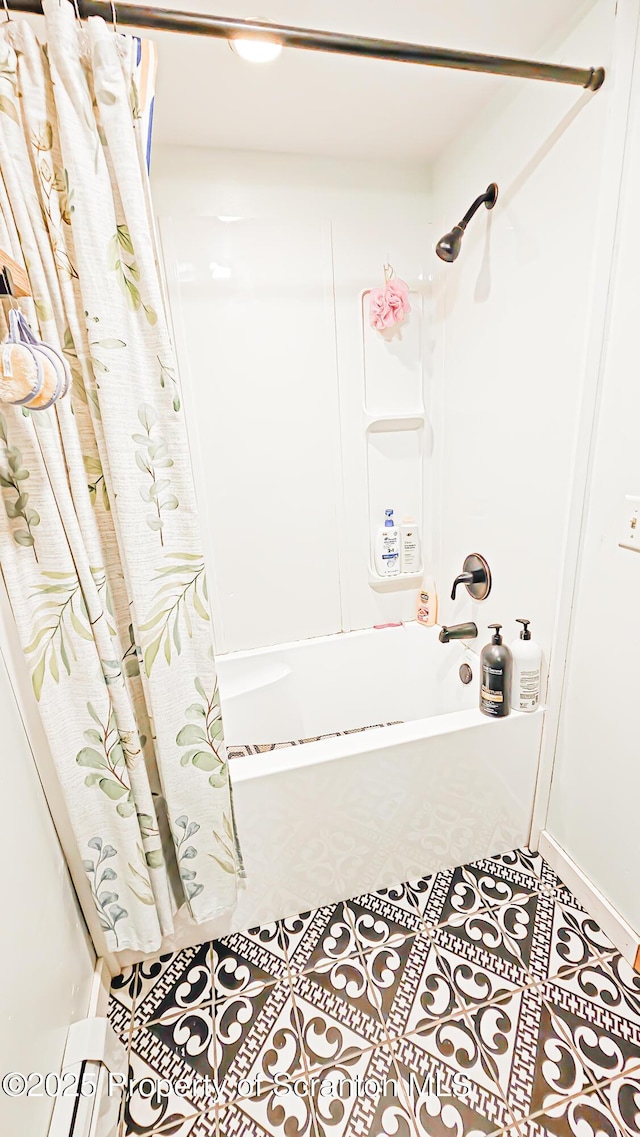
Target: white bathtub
{"points": [[333, 683], [333, 818], [342, 816]]}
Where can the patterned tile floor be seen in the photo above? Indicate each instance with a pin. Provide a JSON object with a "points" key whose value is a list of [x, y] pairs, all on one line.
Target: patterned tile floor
{"points": [[482, 1000]]}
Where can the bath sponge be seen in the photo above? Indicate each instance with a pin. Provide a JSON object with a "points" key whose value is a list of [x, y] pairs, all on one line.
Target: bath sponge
{"points": [[55, 378], [33, 374], [21, 375]]}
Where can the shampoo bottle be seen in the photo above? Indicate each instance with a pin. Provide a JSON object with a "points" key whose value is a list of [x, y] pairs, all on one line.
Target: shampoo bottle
{"points": [[527, 666], [387, 547], [427, 610], [495, 665]]}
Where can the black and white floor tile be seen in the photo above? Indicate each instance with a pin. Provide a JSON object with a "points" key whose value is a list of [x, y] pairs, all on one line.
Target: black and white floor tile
{"points": [[479, 1002]]}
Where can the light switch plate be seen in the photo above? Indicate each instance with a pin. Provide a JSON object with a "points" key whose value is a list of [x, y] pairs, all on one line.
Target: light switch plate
{"points": [[630, 523]]}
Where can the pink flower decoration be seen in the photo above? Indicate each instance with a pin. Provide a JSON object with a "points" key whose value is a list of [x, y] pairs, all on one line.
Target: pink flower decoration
{"points": [[389, 305]]}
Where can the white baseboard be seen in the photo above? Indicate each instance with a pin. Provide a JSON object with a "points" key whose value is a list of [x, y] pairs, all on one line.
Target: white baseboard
{"points": [[621, 934], [94, 1071]]}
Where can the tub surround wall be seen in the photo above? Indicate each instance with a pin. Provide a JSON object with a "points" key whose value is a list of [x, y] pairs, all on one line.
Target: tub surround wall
{"points": [[512, 327], [318, 423]]}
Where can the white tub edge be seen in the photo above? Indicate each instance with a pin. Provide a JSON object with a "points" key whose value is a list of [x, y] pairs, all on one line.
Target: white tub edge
{"points": [[380, 738], [412, 626]]}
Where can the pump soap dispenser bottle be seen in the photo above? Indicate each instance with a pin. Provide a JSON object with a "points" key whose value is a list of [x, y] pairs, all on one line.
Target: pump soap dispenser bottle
{"points": [[495, 664], [527, 665]]}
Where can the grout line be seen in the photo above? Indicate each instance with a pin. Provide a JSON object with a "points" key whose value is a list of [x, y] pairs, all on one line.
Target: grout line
{"points": [[561, 975], [592, 1091], [632, 1072]]}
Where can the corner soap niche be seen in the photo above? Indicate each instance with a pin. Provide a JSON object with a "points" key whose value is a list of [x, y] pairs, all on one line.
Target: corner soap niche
{"points": [[395, 428]]}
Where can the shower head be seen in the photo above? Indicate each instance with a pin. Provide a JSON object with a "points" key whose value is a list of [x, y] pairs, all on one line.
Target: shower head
{"points": [[448, 246]]}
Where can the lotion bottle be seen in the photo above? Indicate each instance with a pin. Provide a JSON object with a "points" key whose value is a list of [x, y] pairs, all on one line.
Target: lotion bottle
{"points": [[410, 555], [495, 680], [427, 609], [387, 547], [527, 667]]}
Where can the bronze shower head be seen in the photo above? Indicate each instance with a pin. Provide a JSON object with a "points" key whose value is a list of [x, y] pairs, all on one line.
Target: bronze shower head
{"points": [[448, 246]]}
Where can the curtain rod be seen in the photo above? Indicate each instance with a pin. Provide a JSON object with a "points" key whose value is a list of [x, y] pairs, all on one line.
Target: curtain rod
{"points": [[199, 24]]}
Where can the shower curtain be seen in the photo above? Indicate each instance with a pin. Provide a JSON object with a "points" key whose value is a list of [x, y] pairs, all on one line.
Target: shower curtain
{"points": [[99, 537]]}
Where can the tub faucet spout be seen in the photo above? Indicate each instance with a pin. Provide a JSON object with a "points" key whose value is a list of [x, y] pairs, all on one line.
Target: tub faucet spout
{"points": [[458, 632]]}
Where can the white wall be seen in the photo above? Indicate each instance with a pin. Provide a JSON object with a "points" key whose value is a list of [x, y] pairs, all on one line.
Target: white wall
{"points": [[513, 324], [593, 811], [46, 960], [282, 377]]}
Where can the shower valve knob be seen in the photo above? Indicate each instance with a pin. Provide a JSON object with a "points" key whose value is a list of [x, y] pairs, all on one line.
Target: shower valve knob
{"points": [[476, 577]]}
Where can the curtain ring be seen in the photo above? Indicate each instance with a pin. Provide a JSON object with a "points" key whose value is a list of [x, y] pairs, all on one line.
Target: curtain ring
{"points": [[113, 16], [7, 12]]}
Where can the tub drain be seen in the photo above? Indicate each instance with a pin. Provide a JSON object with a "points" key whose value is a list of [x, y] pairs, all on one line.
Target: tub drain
{"points": [[465, 673]]}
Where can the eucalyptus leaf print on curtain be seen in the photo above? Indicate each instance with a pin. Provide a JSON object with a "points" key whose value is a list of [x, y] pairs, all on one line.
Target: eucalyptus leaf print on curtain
{"points": [[99, 534]]}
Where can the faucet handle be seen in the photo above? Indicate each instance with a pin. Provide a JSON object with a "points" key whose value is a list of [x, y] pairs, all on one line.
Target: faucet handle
{"points": [[476, 577]]}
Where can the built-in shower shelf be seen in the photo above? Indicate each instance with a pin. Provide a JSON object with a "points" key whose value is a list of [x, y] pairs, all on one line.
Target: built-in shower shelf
{"points": [[393, 583], [378, 425], [397, 435]]}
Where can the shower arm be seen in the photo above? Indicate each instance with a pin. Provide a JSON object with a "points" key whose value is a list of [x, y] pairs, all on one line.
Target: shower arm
{"points": [[489, 196], [222, 27]]}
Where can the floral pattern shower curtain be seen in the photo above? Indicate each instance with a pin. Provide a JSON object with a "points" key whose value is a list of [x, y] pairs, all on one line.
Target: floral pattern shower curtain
{"points": [[99, 536]]}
